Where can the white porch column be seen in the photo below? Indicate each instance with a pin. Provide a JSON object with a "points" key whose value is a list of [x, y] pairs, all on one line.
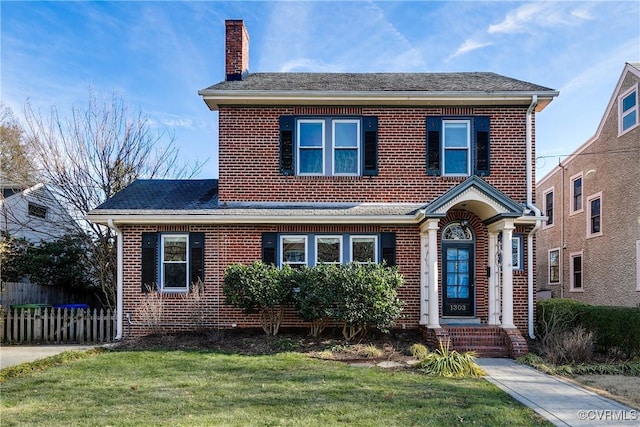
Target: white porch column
{"points": [[432, 257], [424, 274], [507, 275], [494, 272]]}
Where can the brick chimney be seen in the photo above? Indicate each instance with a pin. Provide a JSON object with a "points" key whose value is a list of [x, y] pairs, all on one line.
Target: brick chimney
{"points": [[236, 50]]}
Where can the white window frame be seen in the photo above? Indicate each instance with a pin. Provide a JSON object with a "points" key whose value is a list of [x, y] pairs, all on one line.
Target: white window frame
{"points": [[305, 238], [467, 147], [544, 206], [328, 236], [623, 114], [549, 266], [638, 265], [572, 180], [161, 286], [517, 252], [572, 284], [589, 200], [299, 148], [375, 247], [334, 148]]}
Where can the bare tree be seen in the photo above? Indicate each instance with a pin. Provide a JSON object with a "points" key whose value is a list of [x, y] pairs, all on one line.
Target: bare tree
{"points": [[93, 152]]}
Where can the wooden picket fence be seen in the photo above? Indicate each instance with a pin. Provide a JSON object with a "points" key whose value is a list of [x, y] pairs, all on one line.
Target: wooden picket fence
{"points": [[57, 326]]}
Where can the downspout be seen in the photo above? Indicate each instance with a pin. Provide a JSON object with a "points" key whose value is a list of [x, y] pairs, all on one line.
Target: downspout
{"points": [[119, 281], [530, 205]]}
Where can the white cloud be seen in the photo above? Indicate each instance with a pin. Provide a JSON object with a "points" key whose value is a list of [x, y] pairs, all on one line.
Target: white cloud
{"points": [[531, 16], [470, 45]]}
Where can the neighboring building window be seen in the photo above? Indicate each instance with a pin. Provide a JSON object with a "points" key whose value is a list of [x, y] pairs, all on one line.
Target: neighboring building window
{"points": [[576, 193], [554, 266], [628, 110], [576, 271], [594, 215], [458, 146], [174, 261], [294, 250], [364, 249], [328, 249], [37, 211], [517, 253], [328, 146], [637, 265], [548, 206]]}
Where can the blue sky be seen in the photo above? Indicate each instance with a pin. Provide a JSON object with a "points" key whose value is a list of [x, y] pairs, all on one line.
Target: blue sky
{"points": [[157, 55]]}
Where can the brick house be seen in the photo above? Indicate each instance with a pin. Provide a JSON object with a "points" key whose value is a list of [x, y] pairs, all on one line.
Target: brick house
{"points": [[589, 247], [432, 172]]}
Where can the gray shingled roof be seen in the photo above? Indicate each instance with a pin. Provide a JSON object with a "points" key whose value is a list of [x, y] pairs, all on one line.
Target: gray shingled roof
{"points": [[162, 194], [150, 196], [378, 82]]}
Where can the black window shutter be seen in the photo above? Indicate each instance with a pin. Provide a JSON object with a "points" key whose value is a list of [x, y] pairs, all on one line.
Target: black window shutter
{"points": [[287, 124], [149, 262], [196, 257], [434, 145], [481, 136], [370, 125], [269, 244], [388, 248]]}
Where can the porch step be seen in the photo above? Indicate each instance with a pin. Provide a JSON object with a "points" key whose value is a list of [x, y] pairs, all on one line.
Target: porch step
{"points": [[485, 340]]}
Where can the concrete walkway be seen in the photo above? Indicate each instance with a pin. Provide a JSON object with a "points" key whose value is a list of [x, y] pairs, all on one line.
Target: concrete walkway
{"points": [[15, 355], [561, 402]]}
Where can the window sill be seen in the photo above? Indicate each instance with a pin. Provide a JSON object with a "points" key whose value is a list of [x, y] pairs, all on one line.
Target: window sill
{"points": [[591, 236], [573, 213], [574, 290]]}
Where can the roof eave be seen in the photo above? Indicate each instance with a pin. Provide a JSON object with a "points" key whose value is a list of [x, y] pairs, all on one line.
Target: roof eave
{"points": [[149, 218], [215, 98]]}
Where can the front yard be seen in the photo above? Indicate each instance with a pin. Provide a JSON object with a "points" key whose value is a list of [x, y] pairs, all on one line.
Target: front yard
{"points": [[195, 387]]}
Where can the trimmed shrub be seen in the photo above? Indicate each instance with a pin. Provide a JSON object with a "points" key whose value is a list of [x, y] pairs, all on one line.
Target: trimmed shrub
{"points": [[259, 288], [616, 330], [557, 314], [315, 295]]}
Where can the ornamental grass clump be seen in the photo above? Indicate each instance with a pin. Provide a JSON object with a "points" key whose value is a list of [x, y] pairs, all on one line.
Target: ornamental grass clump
{"points": [[444, 362]]}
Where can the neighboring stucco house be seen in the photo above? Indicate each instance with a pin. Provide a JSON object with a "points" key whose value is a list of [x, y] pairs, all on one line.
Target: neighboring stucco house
{"points": [[432, 172], [33, 213], [589, 248]]}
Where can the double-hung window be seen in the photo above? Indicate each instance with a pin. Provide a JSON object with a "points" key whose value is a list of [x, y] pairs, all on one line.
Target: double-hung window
{"points": [[548, 206], [298, 250], [576, 271], [457, 146], [554, 266], [576, 194], [328, 146], [364, 249], [172, 262], [628, 110], [594, 215], [328, 249], [294, 250]]}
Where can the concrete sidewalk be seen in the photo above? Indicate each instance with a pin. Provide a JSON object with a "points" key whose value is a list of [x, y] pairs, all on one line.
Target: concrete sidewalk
{"points": [[561, 402], [17, 354]]}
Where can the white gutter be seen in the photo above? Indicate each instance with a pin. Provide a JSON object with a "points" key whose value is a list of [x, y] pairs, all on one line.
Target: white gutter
{"points": [[214, 98], [167, 218], [538, 218], [119, 279]]}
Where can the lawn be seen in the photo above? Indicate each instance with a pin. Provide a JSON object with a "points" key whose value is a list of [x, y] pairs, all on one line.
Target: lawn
{"points": [[117, 388]]}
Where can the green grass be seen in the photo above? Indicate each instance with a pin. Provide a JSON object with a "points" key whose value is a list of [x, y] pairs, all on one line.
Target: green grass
{"points": [[205, 388]]}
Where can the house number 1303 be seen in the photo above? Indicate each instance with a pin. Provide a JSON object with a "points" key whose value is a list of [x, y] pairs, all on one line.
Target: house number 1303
{"points": [[457, 307]]}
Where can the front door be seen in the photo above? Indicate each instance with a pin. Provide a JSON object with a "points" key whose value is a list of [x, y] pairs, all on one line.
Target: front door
{"points": [[458, 294]]}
